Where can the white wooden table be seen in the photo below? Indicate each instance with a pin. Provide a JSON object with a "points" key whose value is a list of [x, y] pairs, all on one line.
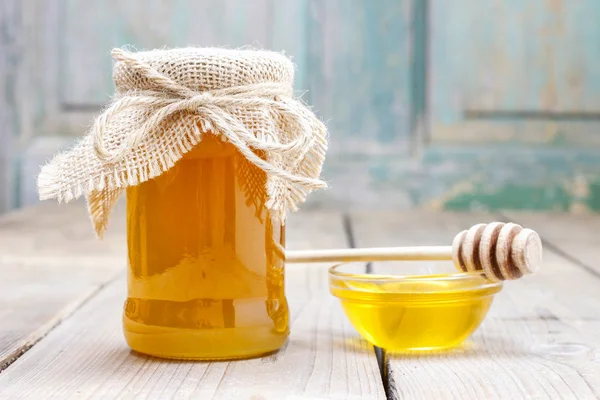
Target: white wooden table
{"points": [[61, 296]]}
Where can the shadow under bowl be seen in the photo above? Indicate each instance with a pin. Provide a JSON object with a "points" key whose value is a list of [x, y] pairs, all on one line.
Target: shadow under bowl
{"points": [[412, 306]]}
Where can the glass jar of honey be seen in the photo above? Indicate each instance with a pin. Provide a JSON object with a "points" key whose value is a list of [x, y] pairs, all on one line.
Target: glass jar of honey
{"points": [[212, 152], [205, 276]]}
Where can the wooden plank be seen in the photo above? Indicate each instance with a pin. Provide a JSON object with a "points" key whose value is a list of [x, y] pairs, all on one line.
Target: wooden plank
{"points": [[530, 68], [360, 52], [539, 339], [54, 233], [38, 152], [324, 358], [465, 178], [494, 178], [86, 76], [72, 42], [10, 61], [575, 235], [515, 127], [50, 263], [544, 132], [536, 57], [363, 52], [21, 112]]}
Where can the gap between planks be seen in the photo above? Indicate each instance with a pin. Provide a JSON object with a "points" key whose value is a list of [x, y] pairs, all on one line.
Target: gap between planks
{"points": [[379, 352]]}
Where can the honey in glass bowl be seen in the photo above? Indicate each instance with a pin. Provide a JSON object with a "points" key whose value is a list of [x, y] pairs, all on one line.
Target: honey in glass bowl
{"points": [[419, 307]]}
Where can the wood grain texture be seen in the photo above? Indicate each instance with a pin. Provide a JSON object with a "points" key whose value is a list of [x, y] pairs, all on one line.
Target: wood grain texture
{"points": [[539, 340], [492, 178], [49, 265], [357, 51], [465, 178], [38, 152], [537, 59], [533, 57], [529, 77], [68, 48], [54, 233], [359, 73], [10, 20], [91, 30], [86, 356], [542, 131]]}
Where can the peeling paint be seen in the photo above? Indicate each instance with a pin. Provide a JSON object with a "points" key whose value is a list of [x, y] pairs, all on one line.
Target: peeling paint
{"points": [[580, 192], [461, 188], [512, 196], [593, 199]]}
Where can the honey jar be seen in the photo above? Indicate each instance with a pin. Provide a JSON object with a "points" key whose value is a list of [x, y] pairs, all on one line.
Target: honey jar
{"points": [[211, 151]]}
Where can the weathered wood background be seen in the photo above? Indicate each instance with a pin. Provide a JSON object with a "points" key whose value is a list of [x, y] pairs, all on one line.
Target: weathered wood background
{"points": [[463, 104]]}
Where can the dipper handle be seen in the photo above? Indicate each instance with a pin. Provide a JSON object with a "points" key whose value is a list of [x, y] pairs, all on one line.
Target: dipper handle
{"points": [[501, 251]]}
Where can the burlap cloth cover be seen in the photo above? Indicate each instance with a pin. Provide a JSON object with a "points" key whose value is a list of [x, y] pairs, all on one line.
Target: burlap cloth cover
{"points": [[166, 101]]}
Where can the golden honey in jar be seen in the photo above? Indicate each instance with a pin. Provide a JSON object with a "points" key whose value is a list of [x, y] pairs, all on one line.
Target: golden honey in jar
{"points": [[205, 276]]}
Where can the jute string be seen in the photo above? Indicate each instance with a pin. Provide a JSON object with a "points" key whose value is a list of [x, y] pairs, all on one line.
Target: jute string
{"points": [[145, 130]]}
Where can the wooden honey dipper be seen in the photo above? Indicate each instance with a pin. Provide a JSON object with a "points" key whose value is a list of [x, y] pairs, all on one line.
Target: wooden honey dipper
{"points": [[501, 251]]}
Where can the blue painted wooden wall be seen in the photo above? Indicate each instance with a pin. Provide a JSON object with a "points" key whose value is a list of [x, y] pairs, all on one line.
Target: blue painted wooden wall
{"points": [[514, 105], [462, 104]]}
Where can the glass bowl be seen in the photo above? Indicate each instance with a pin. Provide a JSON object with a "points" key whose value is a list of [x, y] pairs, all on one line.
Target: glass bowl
{"points": [[412, 306]]}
